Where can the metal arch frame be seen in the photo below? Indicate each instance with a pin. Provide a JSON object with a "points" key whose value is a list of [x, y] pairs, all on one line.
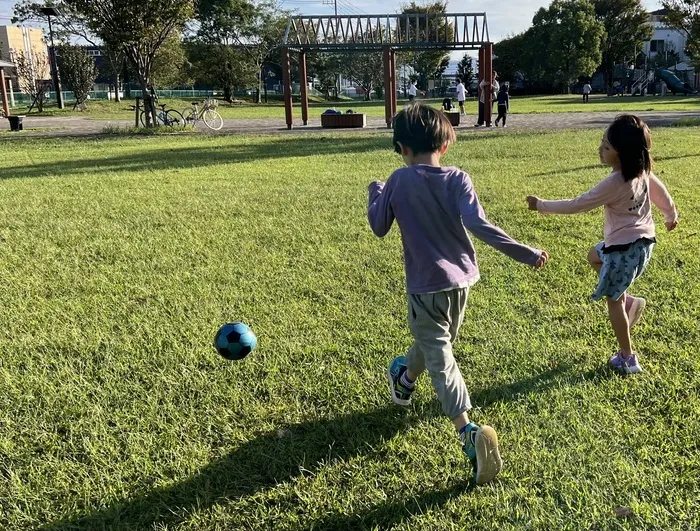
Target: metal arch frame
{"points": [[387, 33]]}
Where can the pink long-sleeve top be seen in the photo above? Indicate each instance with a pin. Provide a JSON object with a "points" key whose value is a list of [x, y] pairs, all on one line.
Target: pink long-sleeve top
{"points": [[627, 206]]}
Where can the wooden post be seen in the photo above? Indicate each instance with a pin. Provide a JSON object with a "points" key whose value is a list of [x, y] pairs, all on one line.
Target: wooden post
{"points": [[304, 88], [488, 76], [388, 87], [392, 73], [138, 108], [3, 93], [287, 86]]}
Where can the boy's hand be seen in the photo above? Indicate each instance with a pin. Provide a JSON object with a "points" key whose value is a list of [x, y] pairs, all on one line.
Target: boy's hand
{"points": [[532, 202], [670, 225], [543, 260]]}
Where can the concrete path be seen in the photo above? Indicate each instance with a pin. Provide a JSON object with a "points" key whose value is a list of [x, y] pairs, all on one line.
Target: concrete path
{"points": [[58, 126]]}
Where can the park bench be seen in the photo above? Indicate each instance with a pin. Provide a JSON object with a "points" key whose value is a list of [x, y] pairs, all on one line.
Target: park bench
{"points": [[343, 120]]}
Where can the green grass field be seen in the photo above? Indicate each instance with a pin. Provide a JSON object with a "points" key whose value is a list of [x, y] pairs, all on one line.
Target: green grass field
{"points": [[122, 256], [105, 110]]}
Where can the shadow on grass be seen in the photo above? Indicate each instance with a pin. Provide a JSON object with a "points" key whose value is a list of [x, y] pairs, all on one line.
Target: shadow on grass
{"points": [[260, 464], [562, 375], [292, 451], [202, 156], [601, 167], [389, 514]]}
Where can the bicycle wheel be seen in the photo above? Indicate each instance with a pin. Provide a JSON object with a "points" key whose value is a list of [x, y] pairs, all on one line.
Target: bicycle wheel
{"points": [[190, 116], [159, 119], [213, 119], [173, 118], [143, 118]]}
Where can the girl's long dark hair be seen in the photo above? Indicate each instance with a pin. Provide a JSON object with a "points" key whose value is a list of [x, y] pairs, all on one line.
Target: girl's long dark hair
{"points": [[630, 137]]}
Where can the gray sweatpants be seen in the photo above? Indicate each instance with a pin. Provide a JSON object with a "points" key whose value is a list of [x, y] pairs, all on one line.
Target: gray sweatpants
{"points": [[434, 320]]}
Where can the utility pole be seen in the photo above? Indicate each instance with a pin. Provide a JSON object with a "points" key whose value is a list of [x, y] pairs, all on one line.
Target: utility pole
{"points": [[48, 11]]}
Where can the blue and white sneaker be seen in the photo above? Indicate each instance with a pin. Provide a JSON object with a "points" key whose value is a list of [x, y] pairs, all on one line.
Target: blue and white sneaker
{"points": [[629, 365], [400, 394], [480, 445]]}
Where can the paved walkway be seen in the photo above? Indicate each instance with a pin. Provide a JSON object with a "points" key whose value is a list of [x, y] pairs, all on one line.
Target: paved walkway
{"points": [[80, 126]]}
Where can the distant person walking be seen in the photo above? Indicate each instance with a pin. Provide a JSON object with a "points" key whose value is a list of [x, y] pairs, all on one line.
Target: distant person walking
{"points": [[503, 104], [413, 91], [461, 96], [586, 92]]}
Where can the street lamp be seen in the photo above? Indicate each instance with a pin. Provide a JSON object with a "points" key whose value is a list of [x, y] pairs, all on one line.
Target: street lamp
{"points": [[49, 12]]}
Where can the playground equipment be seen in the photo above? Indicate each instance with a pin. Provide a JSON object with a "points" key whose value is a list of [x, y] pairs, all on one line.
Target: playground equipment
{"points": [[675, 85], [387, 33]]}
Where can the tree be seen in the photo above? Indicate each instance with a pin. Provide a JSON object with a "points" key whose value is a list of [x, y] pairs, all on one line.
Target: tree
{"points": [[256, 28], [627, 27], [79, 70], [685, 16], [364, 69], [432, 63], [325, 67], [511, 57], [33, 76], [170, 63], [115, 65], [575, 38], [223, 66], [465, 70], [67, 24], [140, 27]]}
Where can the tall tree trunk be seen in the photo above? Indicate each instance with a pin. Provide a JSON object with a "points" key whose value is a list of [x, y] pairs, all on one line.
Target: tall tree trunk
{"points": [[117, 82], [227, 93], [258, 98]]}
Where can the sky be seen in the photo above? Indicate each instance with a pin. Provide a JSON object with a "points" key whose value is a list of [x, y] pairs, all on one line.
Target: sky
{"points": [[505, 17]]}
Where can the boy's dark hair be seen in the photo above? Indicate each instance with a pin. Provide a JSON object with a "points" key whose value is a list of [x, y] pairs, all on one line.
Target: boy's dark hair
{"points": [[504, 88], [422, 129], [630, 137]]}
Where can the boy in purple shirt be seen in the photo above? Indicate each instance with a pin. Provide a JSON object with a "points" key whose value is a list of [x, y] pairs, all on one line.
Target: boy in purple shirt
{"points": [[434, 207]]}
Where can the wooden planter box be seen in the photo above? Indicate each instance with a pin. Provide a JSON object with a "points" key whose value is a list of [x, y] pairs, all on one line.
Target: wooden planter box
{"points": [[453, 117], [343, 120]]}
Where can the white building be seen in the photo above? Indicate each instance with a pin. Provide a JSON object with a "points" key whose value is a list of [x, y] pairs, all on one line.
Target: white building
{"points": [[665, 38]]}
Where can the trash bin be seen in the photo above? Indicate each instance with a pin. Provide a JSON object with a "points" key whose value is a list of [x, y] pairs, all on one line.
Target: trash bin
{"points": [[16, 123]]}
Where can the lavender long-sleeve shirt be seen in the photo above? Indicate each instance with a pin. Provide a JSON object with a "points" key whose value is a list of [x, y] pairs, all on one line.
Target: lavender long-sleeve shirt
{"points": [[434, 208]]}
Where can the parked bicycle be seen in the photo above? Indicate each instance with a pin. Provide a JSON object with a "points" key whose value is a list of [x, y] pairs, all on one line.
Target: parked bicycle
{"points": [[208, 115], [168, 118]]}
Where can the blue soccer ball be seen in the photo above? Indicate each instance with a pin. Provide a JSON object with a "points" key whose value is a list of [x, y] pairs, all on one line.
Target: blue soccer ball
{"points": [[234, 341]]}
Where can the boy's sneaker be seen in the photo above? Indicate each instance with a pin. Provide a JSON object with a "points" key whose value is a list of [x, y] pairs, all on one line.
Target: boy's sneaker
{"points": [[400, 394], [629, 365], [634, 306], [480, 445]]}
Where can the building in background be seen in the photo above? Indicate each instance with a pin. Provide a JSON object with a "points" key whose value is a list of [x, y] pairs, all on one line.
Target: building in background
{"points": [[29, 41], [667, 39]]}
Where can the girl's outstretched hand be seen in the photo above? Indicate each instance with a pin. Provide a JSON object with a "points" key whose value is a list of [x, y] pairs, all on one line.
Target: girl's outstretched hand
{"points": [[543, 260], [670, 225], [532, 202]]}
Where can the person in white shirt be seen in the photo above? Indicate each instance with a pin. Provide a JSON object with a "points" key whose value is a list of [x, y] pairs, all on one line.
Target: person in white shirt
{"points": [[461, 96], [413, 90], [495, 87], [586, 92]]}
